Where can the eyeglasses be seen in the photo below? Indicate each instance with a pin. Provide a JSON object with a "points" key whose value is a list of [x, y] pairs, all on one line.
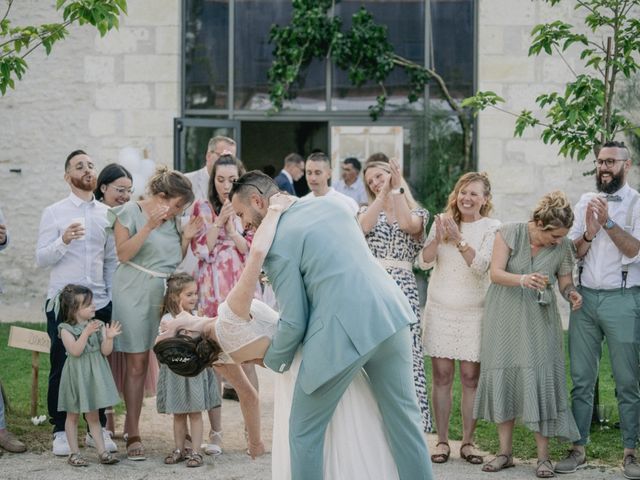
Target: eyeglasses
{"points": [[609, 162], [122, 190]]}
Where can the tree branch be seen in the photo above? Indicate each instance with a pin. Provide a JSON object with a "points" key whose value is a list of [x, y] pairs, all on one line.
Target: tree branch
{"points": [[6, 14], [555, 47]]}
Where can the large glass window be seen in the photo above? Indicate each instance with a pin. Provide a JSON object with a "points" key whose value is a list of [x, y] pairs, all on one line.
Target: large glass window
{"points": [[404, 20], [206, 54], [254, 54]]}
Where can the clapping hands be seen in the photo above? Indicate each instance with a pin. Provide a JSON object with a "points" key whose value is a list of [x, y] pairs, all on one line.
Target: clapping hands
{"points": [[192, 228], [447, 229], [113, 329]]}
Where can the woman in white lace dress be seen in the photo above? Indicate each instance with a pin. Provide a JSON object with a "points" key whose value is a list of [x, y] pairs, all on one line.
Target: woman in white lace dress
{"points": [[459, 251], [355, 446]]}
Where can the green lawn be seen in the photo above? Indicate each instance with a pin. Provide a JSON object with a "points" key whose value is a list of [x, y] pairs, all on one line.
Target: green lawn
{"points": [[605, 446]]}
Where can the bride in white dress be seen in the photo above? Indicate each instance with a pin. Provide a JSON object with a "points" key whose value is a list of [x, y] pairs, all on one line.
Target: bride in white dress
{"points": [[355, 446]]}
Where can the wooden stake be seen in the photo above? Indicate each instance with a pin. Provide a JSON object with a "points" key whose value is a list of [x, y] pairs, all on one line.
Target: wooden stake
{"points": [[35, 367]]}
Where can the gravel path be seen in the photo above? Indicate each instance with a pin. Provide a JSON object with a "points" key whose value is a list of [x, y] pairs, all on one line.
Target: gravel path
{"points": [[234, 464]]}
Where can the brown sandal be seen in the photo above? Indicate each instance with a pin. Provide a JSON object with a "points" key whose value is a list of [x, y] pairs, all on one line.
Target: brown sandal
{"points": [[195, 460], [77, 460], [441, 457], [107, 458], [496, 464], [545, 469], [135, 449], [472, 457], [174, 457]]}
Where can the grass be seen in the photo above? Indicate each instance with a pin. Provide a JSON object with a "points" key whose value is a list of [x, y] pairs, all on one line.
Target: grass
{"points": [[605, 445]]}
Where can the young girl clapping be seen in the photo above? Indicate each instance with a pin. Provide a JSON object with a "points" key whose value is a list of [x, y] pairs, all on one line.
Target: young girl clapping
{"points": [[184, 397], [86, 383]]}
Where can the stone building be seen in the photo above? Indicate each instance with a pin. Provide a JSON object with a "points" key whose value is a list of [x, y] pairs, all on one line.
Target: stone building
{"points": [[177, 72]]}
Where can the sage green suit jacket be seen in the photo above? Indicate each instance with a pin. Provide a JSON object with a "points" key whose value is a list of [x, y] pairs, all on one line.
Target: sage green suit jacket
{"points": [[334, 297]]}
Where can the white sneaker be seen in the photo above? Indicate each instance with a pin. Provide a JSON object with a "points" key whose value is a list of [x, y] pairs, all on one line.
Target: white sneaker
{"points": [[109, 444], [60, 444]]}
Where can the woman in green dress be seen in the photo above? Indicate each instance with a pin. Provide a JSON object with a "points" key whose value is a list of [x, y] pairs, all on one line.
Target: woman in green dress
{"points": [[523, 372], [149, 247]]}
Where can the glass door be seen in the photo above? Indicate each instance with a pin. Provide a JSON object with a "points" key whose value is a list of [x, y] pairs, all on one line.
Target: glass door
{"points": [[191, 137]]}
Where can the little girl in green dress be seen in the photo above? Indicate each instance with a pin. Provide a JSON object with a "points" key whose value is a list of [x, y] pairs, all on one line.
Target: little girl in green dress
{"points": [[86, 383], [184, 397]]}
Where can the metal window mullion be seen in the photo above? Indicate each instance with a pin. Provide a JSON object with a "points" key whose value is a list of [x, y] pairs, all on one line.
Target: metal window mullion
{"points": [[231, 61]]}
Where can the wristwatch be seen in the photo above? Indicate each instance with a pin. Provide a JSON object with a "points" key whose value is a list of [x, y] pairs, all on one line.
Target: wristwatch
{"points": [[462, 246], [397, 191], [609, 225]]}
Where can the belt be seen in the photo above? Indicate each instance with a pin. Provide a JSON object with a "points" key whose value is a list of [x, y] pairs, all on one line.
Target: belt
{"points": [[391, 263], [153, 273]]}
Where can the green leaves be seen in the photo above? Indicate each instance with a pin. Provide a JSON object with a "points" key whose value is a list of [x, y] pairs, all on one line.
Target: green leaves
{"points": [[582, 117], [18, 42]]}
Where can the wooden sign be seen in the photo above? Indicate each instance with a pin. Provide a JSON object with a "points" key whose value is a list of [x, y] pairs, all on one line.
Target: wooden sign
{"points": [[28, 339]]}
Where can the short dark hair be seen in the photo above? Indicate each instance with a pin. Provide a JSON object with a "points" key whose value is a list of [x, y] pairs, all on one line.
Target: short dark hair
{"points": [[70, 304], [71, 155], [617, 144], [319, 157], [187, 356], [293, 158], [353, 161], [255, 181], [110, 174]]}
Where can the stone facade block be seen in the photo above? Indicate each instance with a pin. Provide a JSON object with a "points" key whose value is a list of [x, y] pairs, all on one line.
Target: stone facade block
{"points": [[124, 40], [505, 68], [496, 125], [167, 96], [491, 39], [168, 40], [149, 123], [103, 123], [151, 68], [507, 12], [153, 12], [123, 97], [99, 69]]}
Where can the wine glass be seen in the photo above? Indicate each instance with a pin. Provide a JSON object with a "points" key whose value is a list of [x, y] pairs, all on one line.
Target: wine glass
{"points": [[541, 294]]}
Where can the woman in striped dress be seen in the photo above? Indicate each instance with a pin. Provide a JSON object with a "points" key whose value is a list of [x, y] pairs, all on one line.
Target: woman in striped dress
{"points": [[523, 371], [394, 226]]}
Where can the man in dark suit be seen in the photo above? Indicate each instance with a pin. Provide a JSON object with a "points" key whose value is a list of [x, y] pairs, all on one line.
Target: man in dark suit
{"points": [[292, 172]]}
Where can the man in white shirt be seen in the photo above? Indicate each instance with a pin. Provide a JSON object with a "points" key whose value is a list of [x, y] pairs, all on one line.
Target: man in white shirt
{"points": [[606, 234], [200, 178], [317, 171], [73, 241], [351, 183]]}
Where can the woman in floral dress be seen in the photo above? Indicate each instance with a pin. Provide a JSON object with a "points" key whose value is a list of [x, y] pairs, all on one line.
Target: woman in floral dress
{"points": [[221, 248], [394, 225]]}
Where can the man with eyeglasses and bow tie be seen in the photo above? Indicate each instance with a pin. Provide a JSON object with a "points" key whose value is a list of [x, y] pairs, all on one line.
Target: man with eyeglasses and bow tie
{"points": [[606, 235]]}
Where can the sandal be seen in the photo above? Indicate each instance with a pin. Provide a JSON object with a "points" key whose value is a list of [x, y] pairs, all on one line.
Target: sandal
{"points": [[496, 464], [441, 457], [472, 457], [213, 447], [135, 449], [545, 469], [195, 460], [106, 458], [174, 457], [76, 460]]}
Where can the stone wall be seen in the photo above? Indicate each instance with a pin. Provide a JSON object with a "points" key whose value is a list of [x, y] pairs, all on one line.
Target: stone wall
{"points": [[98, 94], [523, 169]]}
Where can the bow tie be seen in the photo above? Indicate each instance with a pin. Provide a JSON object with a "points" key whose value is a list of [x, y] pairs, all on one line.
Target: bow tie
{"points": [[613, 198]]}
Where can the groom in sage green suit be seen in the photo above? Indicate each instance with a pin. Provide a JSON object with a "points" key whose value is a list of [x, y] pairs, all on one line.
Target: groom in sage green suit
{"points": [[347, 313]]}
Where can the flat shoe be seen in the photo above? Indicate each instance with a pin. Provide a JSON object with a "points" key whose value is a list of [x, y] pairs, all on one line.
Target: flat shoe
{"points": [[76, 460], [545, 469], [441, 457], [135, 449], [106, 458], [496, 464], [472, 457]]}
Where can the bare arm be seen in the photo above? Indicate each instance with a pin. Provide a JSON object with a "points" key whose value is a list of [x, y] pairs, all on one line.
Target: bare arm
{"points": [[407, 221], [499, 274], [369, 218], [74, 346], [569, 292]]}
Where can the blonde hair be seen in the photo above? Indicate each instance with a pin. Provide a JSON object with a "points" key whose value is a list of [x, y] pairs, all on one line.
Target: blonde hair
{"points": [[553, 211], [176, 283], [170, 183], [370, 163], [469, 177], [72, 298]]}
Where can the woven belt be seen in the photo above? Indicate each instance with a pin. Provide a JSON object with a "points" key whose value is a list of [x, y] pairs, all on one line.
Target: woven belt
{"points": [[147, 271], [391, 263]]}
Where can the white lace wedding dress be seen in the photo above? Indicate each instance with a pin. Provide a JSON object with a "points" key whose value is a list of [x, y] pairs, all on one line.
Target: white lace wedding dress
{"points": [[355, 446]]}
